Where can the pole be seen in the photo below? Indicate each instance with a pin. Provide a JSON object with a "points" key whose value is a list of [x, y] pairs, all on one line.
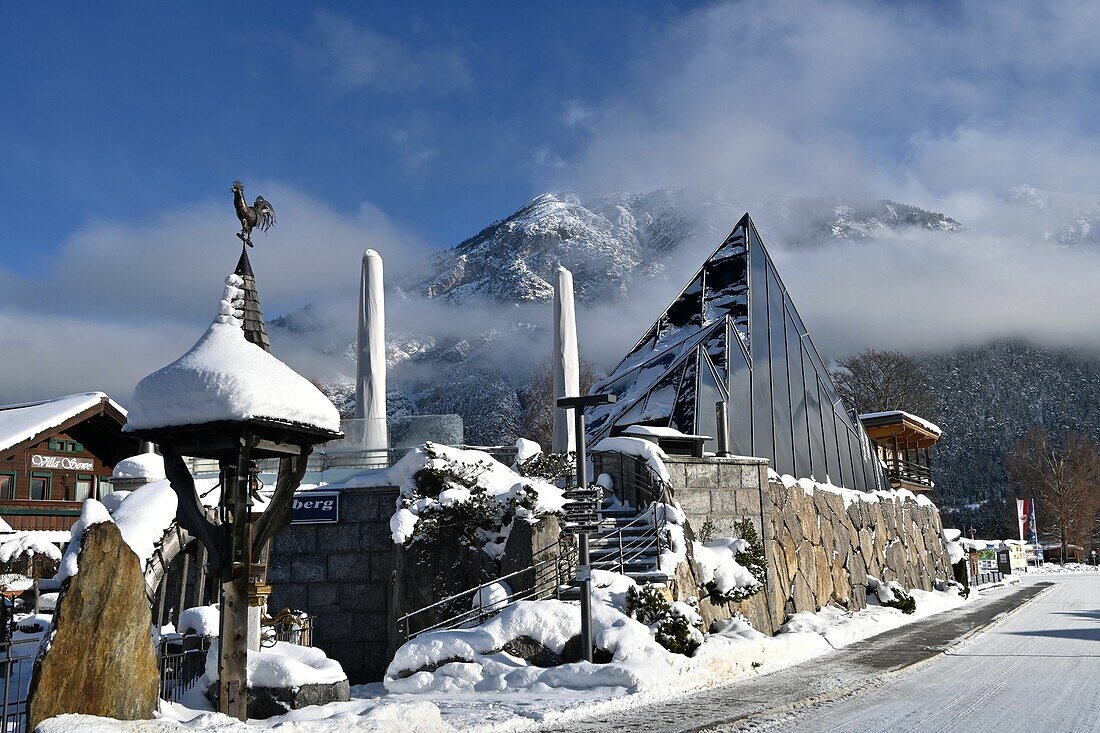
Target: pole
{"points": [[584, 571], [232, 642]]}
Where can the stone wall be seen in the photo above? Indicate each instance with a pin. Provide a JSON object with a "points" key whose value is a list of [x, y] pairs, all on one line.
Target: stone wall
{"points": [[819, 549], [341, 573]]}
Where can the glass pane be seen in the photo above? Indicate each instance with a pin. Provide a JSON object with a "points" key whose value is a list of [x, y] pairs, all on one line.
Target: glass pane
{"points": [[38, 488], [828, 427], [83, 489], [685, 315], [6, 485], [781, 400], [726, 286], [760, 351], [740, 399], [662, 399], [820, 467], [683, 416], [707, 414], [105, 487], [845, 452], [803, 465]]}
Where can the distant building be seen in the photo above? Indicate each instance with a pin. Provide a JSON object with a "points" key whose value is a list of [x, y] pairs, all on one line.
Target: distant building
{"points": [[734, 336], [903, 442], [56, 453]]}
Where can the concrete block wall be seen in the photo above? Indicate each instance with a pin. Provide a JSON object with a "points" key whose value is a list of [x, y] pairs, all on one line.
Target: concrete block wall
{"points": [[719, 490], [341, 574]]}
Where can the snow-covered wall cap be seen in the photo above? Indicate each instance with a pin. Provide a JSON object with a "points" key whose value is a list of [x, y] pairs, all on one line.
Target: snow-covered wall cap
{"points": [[146, 466], [25, 420], [224, 377], [926, 424]]}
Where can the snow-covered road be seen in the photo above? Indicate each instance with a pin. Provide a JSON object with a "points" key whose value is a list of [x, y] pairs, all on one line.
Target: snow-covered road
{"points": [[1038, 669]]}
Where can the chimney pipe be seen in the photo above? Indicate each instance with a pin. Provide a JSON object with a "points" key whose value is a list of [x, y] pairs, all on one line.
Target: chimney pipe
{"points": [[720, 410]]}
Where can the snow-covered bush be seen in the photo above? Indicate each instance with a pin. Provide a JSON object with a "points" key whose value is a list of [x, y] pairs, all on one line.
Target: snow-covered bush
{"points": [[548, 466], [731, 569], [446, 490], [891, 594], [675, 626]]}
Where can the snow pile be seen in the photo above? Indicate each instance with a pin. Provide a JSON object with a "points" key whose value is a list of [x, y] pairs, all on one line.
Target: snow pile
{"points": [[491, 597], [15, 582], [718, 570], [955, 551], [144, 515], [283, 665], [675, 552], [226, 377], [1053, 568], [850, 496], [525, 451], [147, 466], [473, 659], [639, 447], [205, 620], [434, 479], [92, 513], [28, 544], [25, 420]]}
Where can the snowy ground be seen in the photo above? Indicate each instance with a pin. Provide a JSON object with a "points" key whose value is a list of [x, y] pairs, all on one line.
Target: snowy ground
{"points": [[1038, 669], [373, 709]]}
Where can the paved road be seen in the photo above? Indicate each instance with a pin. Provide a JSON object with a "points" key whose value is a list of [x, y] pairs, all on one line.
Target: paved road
{"points": [[1036, 670], [858, 677]]}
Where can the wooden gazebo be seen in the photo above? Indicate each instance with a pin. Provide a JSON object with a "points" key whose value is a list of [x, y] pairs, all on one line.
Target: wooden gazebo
{"points": [[903, 442]]}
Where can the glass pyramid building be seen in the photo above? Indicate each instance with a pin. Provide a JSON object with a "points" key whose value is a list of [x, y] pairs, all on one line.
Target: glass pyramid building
{"points": [[733, 335]]}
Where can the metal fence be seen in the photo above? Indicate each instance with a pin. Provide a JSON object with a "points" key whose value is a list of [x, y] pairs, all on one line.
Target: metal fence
{"points": [[16, 664], [181, 659], [992, 576]]}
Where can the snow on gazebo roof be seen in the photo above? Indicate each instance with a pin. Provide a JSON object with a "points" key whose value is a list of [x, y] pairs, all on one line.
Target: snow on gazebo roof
{"points": [[23, 421], [146, 466], [225, 377]]}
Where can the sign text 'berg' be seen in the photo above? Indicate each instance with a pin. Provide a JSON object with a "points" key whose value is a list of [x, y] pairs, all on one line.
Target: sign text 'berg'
{"points": [[315, 508]]}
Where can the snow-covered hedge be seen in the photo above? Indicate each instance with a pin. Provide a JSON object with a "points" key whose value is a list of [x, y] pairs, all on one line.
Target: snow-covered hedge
{"points": [[443, 487], [731, 569], [890, 593]]}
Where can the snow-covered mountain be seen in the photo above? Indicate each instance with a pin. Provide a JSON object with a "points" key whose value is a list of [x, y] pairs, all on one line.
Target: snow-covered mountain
{"points": [[613, 241], [1070, 219]]}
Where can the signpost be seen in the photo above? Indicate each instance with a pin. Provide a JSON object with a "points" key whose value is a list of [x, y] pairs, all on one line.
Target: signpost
{"points": [[582, 513]]}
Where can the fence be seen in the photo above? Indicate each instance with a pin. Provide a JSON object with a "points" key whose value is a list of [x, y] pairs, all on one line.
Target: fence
{"points": [[16, 664], [181, 659], [992, 576]]}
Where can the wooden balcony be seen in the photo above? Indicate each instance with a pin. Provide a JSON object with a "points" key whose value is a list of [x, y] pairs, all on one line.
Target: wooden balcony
{"points": [[903, 442]]}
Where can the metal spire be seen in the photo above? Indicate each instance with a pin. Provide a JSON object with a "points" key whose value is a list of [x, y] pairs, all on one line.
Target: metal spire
{"points": [[255, 330]]}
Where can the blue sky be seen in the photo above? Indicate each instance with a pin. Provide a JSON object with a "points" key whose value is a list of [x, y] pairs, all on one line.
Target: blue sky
{"points": [[409, 127], [436, 114]]}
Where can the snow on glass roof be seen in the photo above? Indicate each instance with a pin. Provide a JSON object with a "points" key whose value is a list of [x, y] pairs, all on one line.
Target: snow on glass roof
{"points": [[24, 421], [224, 377]]}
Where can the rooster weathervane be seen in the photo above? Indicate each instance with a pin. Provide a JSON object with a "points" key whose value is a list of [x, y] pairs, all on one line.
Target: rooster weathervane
{"points": [[260, 214]]}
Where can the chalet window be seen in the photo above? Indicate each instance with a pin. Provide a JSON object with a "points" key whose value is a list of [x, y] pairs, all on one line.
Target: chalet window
{"points": [[104, 487], [57, 445], [40, 486], [78, 448], [83, 487], [7, 485]]}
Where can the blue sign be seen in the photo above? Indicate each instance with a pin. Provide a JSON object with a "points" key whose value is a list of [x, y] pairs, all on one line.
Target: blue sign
{"points": [[315, 507]]}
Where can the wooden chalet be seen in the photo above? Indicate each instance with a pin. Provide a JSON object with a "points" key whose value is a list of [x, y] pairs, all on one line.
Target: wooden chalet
{"points": [[903, 442], [56, 453]]}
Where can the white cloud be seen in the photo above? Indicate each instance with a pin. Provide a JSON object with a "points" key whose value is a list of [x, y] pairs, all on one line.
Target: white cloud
{"points": [[355, 57], [574, 113]]}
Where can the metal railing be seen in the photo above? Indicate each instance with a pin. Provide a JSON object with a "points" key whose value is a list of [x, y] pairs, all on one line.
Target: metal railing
{"points": [[16, 663], [322, 460], [645, 540], [908, 471], [548, 577], [181, 660]]}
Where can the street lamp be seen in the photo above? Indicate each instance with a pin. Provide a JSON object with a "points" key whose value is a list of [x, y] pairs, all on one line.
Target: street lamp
{"points": [[582, 515]]}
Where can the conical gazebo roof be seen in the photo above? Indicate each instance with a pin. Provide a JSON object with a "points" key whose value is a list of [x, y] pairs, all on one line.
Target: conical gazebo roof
{"points": [[255, 330]]}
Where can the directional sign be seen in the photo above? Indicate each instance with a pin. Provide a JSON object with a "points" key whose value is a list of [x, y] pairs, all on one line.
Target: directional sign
{"points": [[583, 494]]}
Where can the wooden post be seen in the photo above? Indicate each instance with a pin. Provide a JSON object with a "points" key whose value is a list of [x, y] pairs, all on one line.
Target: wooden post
{"points": [[183, 588], [199, 598], [233, 646]]}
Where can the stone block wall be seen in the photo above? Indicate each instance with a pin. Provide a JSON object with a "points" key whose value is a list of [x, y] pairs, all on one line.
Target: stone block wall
{"points": [[719, 490], [821, 549], [341, 574]]}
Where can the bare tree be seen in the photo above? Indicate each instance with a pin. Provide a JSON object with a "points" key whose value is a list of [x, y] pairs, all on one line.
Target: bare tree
{"points": [[537, 422], [877, 381], [1063, 481]]}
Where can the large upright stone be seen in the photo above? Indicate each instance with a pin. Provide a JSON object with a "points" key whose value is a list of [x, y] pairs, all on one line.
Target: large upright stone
{"points": [[101, 659]]}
